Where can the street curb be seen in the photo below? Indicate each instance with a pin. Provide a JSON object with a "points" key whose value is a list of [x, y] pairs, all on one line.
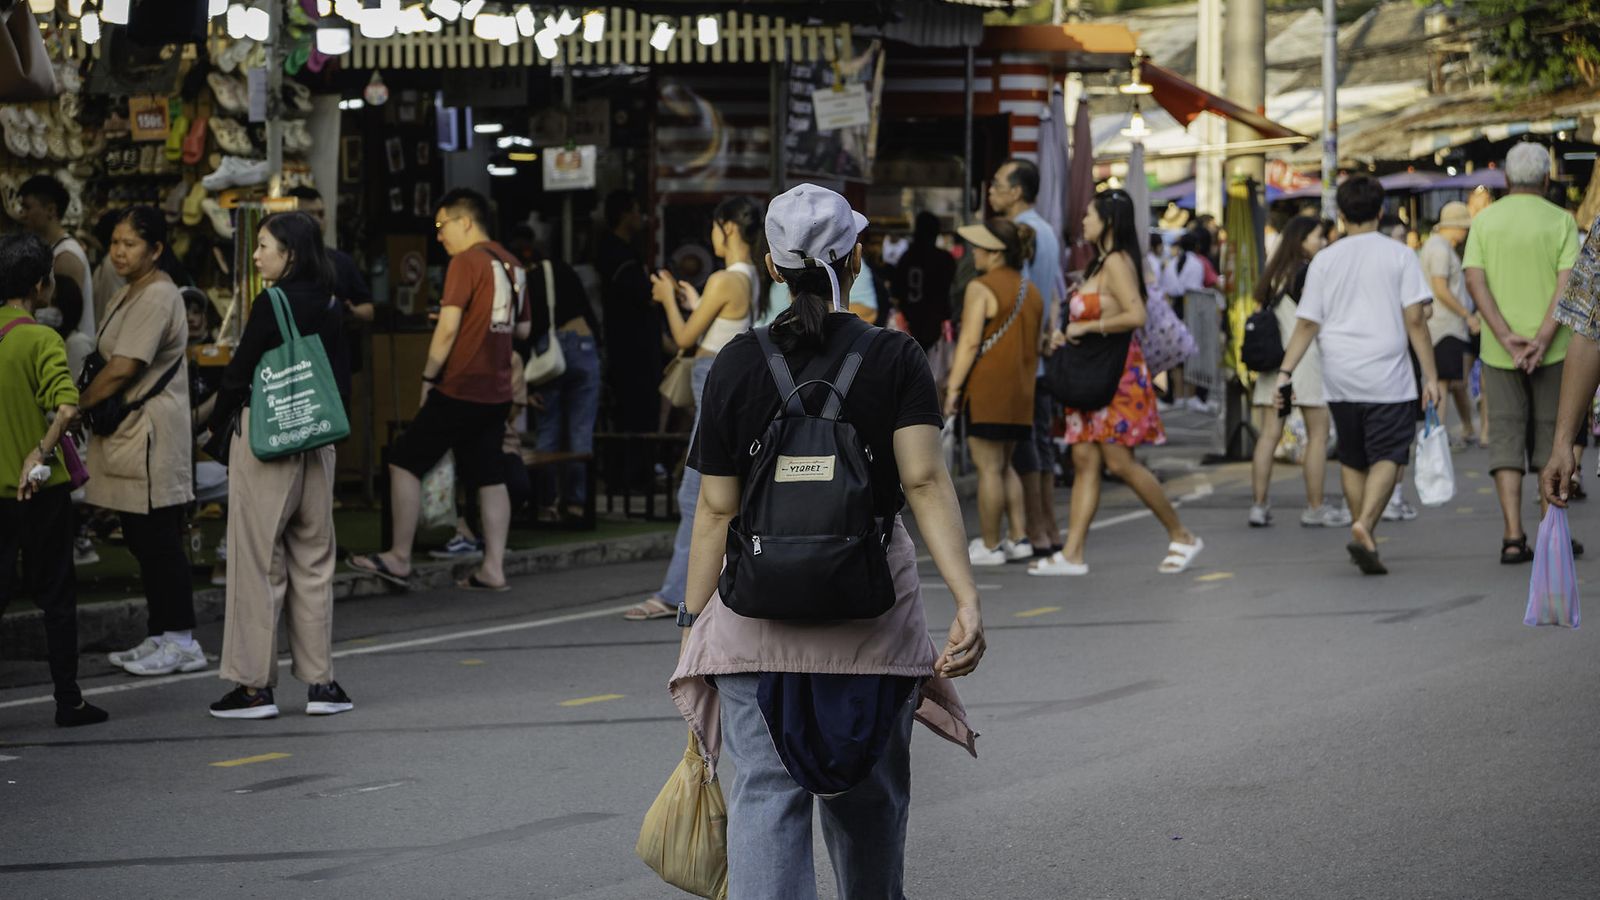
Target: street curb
{"points": [[121, 623]]}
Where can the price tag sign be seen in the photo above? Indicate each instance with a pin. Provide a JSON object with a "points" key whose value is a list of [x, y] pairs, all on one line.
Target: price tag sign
{"points": [[568, 168], [841, 109], [147, 118]]}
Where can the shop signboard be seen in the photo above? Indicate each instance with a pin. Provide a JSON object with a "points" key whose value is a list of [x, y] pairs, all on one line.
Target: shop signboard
{"points": [[147, 118], [569, 168], [841, 106]]}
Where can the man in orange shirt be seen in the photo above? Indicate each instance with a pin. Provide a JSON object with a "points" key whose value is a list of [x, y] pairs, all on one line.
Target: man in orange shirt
{"points": [[466, 390]]}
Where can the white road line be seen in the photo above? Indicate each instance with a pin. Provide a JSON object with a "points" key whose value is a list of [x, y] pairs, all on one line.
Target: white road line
{"points": [[7, 758], [351, 651]]}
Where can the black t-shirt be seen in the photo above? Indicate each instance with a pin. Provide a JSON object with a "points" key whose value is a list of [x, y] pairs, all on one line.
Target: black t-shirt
{"points": [[921, 283], [893, 390], [572, 302]]}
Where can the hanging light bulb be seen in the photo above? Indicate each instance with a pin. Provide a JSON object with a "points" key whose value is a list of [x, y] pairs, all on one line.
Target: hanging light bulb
{"points": [[434, 26], [1136, 129], [527, 22], [545, 40], [487, 26], [662, 37], [75, 7], [706, 30], [448, 10], [471, 8], [257, 25], [567, 25], [41, 7], [1138, 85], [114, 12], [324, 8], [333, 41], [509, 33], [89, 28], [352, 11], [214, 8], [236, 22], [413, 19], [594, 26]]}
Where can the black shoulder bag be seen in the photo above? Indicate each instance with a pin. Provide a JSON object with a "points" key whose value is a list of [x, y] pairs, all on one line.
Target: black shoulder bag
{"points": [[108, 415]]}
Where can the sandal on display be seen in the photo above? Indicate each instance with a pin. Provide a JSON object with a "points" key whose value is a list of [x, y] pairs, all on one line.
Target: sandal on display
{"points": [[1056, 564], [1179, 556], [230, 94], [175, 137], [194, 143], [231, 58], [221, 222], [193, 211]]}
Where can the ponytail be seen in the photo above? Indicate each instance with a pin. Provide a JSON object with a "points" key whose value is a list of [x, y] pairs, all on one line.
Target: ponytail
{"points": [[1020, 241], [745, 215], [811, 300]]}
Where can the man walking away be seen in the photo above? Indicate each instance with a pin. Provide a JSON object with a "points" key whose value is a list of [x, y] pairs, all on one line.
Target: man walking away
{"points": [[466, 392], [921, 282], [1363, 303], [1453, 325], [1012, 194], [1519, 254]]}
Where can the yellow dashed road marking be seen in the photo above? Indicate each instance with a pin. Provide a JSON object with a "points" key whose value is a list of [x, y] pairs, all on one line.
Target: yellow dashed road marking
{"points": [[472, 662], [1486, 490], [1030, 613], [1215, 576], [247, 760], [1463, 510], [585, 701]]}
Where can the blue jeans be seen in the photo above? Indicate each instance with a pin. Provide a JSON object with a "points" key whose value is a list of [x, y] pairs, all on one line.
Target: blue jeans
{"points": [[769, 816], [571, 404], [688, 498]]}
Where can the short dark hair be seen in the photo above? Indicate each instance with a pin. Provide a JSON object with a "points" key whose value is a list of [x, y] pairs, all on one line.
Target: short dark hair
{"points": [[1360, 199], [304, 192], [927, 228], [24, 262], [470, 202], [618, 204], [1024, 175], [48, 189], [1389, 221], [301, 237]]}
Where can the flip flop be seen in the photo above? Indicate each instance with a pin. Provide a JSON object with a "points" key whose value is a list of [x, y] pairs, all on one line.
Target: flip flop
{"points": [[1366, 560], [1179, 556], [645, 611], [1055, 565], [473, 584], [373, 564]]}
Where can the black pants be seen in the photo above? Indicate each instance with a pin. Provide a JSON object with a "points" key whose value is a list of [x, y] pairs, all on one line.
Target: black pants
{"points": [[518, 485], [156, 540], [40, 531]]}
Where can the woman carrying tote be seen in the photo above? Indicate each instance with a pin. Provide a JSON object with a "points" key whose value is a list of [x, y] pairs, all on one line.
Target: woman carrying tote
{"points": [[1111, 301], [732, 300], [1279, 291], [993, 377], [144, 469], [733, 669], [280, 542]]}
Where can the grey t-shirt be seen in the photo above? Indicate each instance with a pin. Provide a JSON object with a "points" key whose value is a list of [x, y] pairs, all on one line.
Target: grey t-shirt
{"points": [[1439, 258]]}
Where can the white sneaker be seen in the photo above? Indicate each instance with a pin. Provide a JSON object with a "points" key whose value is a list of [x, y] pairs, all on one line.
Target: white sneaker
{"points": [[1017, 551], [146, 647], [1398, 510], [1260, 516], [236, 172], [169, 658], [983, 556]]}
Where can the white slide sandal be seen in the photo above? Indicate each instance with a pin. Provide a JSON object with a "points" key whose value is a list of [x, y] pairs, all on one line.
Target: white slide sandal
{"points": [[1179, 556], [1056, 564]]}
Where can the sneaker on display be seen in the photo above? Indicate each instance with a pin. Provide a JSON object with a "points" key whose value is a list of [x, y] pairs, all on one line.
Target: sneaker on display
{"points": [[146, 647], [459, 547], [327, 699], [1017, 551], [168, 658], [239, 703], [980, 555], [1260, 516], [237, 172]]}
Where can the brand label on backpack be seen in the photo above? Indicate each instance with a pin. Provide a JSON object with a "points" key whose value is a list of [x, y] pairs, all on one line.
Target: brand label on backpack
{"points": [[803, 468]]}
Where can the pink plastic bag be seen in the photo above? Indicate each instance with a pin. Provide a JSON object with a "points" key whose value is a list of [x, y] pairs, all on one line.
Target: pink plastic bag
{"points": [[1553, 587]]}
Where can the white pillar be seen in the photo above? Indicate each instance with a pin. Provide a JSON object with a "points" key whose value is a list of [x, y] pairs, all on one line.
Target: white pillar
{"points": [[1208, 186]]}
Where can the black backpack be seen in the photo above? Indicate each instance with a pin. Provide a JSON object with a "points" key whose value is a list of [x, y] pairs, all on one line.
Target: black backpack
{"points": [[1262, 350], [807, 544]]}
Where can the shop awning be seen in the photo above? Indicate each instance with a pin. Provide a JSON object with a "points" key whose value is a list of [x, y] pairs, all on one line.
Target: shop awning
{"points": [[1079, 46], [1433, 141], [1186, 100]]}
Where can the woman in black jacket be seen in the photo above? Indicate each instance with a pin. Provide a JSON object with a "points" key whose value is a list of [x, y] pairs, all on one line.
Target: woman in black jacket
{"points": [[280, 529]]}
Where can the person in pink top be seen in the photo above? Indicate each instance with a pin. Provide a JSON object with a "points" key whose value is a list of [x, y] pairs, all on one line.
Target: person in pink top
{"points": [[769, 693]]}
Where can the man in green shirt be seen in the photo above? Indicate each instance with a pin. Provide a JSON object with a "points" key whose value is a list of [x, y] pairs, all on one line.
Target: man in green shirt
{"points": [[1519, 254], [35, 494]]}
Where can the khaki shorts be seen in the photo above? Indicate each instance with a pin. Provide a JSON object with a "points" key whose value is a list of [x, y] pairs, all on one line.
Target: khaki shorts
{"points": [[1522, 416]]}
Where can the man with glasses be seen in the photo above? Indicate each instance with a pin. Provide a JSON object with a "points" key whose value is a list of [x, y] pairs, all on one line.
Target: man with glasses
{"points": [[467, 392]]}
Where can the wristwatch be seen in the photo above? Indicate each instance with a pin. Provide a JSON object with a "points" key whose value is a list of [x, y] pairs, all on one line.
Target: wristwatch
{"points": [[685, 618]]}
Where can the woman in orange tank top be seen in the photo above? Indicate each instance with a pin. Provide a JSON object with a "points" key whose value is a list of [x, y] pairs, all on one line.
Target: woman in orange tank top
{"points": [[1111, 301], [992, 378]]}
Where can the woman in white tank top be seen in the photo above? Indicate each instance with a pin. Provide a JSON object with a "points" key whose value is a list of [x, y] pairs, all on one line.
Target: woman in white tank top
{"points": [[730, 305]]}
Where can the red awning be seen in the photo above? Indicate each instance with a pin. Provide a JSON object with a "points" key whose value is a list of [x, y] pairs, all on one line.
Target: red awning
{"points": [[1186, 100]]}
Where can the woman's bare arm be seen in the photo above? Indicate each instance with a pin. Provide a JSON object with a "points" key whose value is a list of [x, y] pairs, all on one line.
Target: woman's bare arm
{"points": [[932, 498]]}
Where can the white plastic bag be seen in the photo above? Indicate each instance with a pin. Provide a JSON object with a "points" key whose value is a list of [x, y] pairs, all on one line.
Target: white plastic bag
{"points": [[1435, 476], [439, 494]]}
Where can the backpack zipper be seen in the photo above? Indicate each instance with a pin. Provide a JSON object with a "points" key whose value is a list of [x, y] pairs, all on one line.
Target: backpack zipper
{"points": [[755, 544]]}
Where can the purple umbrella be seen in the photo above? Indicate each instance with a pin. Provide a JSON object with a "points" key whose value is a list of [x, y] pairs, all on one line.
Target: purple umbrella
{"points": [[1409, 181], [1493, 179], [1080, 186]]}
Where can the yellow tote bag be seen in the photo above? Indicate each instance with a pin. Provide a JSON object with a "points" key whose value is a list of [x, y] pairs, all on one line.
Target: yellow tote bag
{"points": [[685, 833]]}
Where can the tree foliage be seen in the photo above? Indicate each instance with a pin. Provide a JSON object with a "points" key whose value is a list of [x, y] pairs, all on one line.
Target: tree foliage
{"points": [[1541, 45]]}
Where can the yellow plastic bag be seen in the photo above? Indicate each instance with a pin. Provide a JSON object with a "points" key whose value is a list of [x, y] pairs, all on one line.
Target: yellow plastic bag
{"points": [[685, 833]]}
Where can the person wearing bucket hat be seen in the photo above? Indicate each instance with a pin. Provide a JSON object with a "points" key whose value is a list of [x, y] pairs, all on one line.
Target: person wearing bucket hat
{"points": [[817, 709], [1454, 323], [992, 380]]}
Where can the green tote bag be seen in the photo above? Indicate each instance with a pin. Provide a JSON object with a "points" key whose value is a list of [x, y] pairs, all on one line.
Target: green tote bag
{"points": [[294, 402]]}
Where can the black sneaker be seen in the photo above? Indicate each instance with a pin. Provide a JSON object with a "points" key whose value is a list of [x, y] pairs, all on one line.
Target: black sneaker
{"points": [[239, 703], [327, 699], [82, 714]]}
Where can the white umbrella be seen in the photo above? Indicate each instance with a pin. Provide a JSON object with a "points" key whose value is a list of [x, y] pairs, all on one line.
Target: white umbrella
{"points": [[1052, 200]]}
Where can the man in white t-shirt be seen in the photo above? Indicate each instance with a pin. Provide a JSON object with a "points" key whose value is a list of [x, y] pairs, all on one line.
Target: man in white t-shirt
{"points": [[44, 202], [1363, 302]]}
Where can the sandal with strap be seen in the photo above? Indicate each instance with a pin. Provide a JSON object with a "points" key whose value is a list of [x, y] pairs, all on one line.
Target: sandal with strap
{"points": [[1514, 551], [653, 608], [1057, 564], [1179, 556]]}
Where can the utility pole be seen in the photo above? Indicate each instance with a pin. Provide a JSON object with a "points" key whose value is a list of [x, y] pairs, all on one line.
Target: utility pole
{"points": [[1330, 109], [1208, 192], [1246, 48]]}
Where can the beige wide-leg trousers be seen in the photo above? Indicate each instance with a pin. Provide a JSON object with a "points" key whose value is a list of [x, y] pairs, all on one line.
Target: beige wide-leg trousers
{"points": [[280, 551]]}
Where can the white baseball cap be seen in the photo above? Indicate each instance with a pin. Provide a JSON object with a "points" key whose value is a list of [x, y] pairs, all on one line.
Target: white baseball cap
{"points": [[810, 226]]}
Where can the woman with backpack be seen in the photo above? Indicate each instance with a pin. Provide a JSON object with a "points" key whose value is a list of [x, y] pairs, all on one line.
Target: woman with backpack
{"points": [[992, 380], [1111, 300], [733, 299], [1279, 291], [280, 529], [820, 708]]}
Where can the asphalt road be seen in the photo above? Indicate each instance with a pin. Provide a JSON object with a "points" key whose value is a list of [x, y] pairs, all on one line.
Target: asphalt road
{"points": [[1268, 725]]}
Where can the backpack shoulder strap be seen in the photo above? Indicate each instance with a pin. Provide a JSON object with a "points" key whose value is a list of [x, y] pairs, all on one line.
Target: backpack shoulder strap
{"points": [[780, 371], [848, 370]]}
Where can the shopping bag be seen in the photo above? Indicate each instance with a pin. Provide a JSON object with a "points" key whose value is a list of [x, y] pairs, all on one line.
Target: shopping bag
{"points": [[685, 834], [1435, 476], [439, 493], [294, 399], [1292, 443], [1553, 586]]}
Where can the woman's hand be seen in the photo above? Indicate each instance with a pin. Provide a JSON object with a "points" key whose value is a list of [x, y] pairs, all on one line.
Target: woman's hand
{"points": [[1076, 330], [1056, 340], [663, 287], [952, 403], [688, 296], [963, 649]]}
